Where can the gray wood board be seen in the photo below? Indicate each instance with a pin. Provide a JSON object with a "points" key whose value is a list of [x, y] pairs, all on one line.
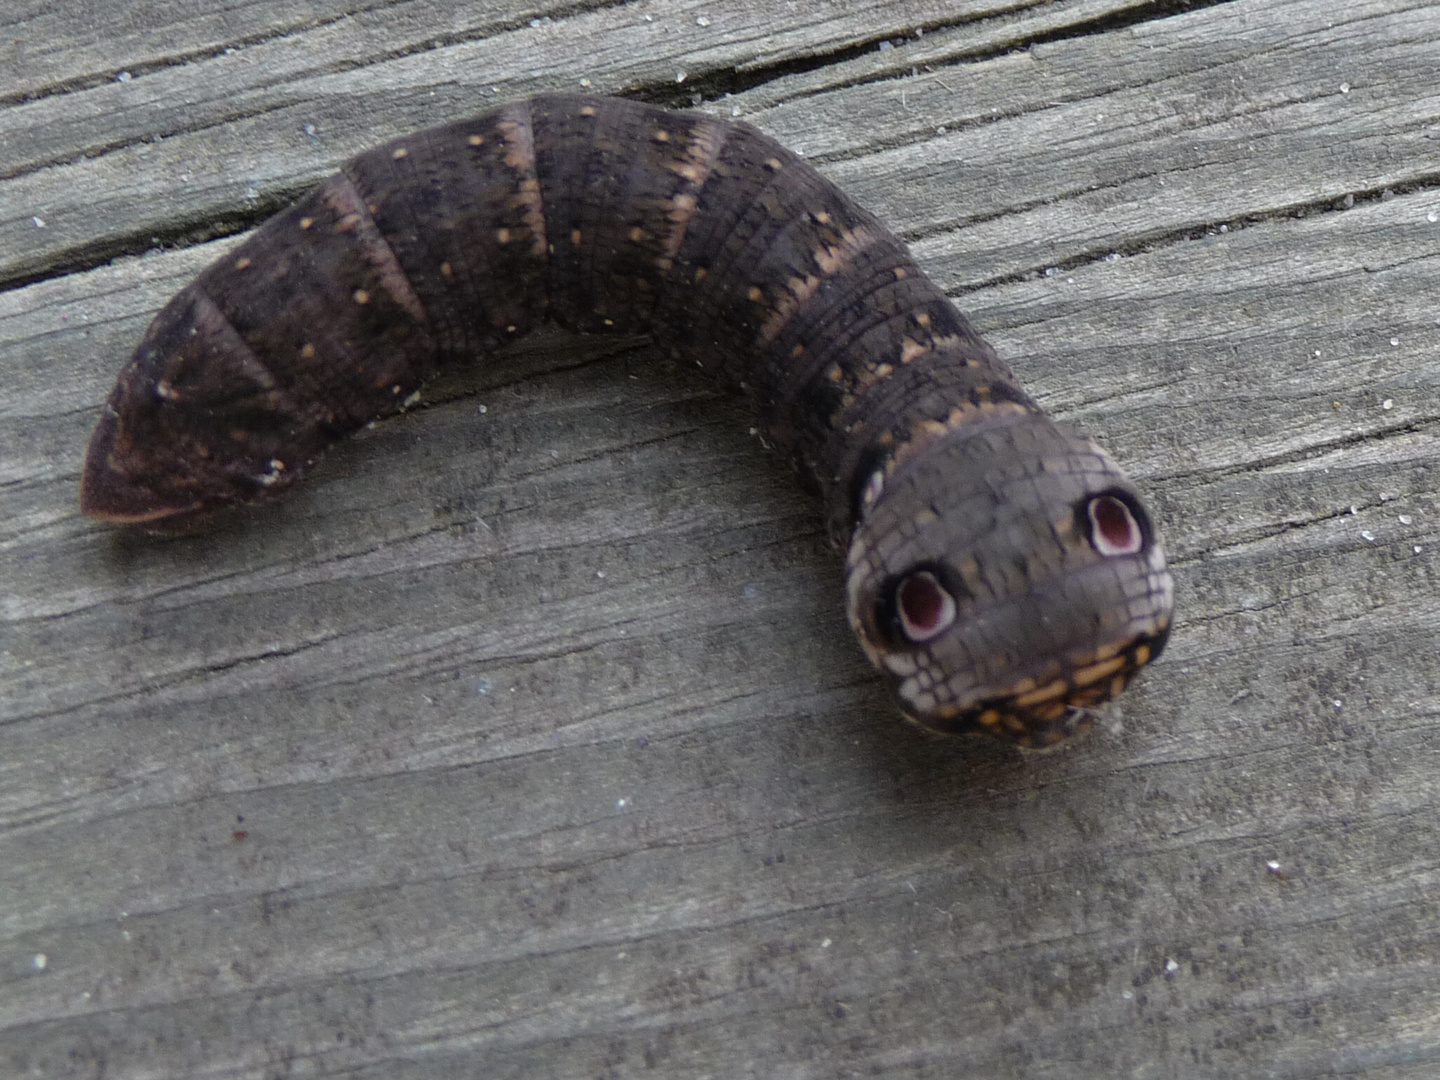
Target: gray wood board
{"points": [[528, 737]]}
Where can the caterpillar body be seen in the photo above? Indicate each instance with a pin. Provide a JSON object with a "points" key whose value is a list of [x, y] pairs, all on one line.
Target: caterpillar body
{"points": [[1002, 572]]}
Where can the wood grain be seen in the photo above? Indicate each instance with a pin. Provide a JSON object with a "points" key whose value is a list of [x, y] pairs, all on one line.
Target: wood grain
{"points": [[531, 740]]}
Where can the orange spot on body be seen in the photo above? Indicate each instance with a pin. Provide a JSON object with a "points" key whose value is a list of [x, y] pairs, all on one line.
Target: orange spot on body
{"points": [[910, 349]]}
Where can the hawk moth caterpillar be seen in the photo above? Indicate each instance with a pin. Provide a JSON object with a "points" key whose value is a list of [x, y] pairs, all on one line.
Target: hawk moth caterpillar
{"points": [[1001, 571]]}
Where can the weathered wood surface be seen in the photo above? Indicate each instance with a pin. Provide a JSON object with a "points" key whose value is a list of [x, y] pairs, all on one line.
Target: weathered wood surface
{"points": [[530, 741]]}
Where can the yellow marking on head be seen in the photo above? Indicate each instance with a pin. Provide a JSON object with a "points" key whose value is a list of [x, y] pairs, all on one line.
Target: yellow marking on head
{"points": [[637, 234], [476, 140], [306, 222], [575, 237], [1104, 652], [361, 296], [901, 273], [400, 153], [587, 110], [1045, 693], [445, 269], [661, 135], [755, 293], [700, 273], [502, 235], [798, 351], [923, 318], [773, 164], [307, 351], [241, 264], [1095, 672], [990, 718]]}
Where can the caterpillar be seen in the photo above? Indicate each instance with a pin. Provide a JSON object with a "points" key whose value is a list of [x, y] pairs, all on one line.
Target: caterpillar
{"points": [[1002, 573]]}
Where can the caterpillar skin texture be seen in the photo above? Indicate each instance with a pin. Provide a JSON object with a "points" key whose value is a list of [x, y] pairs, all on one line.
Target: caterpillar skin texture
{"points": [[1002, 572]]}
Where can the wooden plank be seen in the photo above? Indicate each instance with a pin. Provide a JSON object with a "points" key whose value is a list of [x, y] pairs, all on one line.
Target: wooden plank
{"points": [[532, 741], [191, 149]]}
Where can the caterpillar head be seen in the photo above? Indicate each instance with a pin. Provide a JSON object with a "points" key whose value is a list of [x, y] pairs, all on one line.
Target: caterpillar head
{"points": [[1005, 576]]}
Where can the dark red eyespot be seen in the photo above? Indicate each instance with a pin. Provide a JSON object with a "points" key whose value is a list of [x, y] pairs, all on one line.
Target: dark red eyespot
{"points": [[1113, 528], [925, 608]]}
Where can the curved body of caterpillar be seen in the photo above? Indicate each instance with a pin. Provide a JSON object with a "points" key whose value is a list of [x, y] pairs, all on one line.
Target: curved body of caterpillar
{"points": [[1002, 571]]}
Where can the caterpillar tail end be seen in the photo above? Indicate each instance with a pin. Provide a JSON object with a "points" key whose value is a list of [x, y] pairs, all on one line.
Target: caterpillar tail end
{"points": [[108, 494]]}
